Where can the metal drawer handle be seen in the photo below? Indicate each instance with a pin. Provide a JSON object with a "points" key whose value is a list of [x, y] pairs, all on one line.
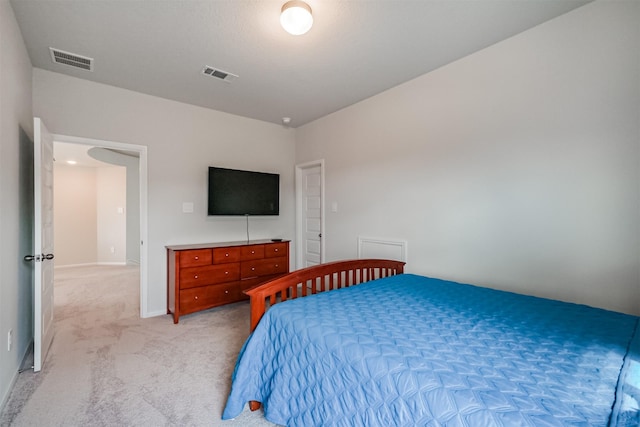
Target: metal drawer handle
{"points": [[276, 250], [226, 254], [253, 252], [226, 272], [226, 292], [276, 265], [196, 258], [195, 276], [196, 297], [253, 268]]}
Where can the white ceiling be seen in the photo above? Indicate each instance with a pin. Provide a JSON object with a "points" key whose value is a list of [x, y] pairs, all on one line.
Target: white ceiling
{"points": [[355, 49], [64, 152]]}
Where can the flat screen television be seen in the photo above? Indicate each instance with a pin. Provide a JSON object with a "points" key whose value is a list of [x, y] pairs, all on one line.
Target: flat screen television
{"points": [[240, 192]]}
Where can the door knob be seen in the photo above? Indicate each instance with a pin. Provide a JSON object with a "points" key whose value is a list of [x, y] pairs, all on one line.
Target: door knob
{"points": [[38, 258]]}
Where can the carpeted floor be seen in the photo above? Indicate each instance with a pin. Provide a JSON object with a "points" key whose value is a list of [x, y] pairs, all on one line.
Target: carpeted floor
{"points": [[108, 367]]}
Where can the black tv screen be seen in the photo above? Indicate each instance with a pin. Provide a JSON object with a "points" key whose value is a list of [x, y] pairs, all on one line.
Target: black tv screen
{"points": [[239, 192]]}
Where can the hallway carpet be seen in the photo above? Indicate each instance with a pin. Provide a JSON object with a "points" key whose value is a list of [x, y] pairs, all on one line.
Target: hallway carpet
{"points": [[108, 367]]}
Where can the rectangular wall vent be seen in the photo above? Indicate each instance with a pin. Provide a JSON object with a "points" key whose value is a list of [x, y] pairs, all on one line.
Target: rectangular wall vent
{"points": [[67, 58], [219, 74]]}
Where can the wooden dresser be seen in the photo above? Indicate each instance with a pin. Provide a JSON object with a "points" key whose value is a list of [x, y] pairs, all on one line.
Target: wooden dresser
{"points": [[203, 276]]}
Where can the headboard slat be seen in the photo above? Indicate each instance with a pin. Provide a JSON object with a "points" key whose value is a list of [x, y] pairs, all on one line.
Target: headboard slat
{"points": [[319, 278]]}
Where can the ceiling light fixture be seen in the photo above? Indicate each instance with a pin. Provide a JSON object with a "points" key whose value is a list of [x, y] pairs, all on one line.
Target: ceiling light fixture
{"points": [[296, 17]]}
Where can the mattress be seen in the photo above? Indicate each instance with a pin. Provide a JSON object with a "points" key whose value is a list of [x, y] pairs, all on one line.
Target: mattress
{"points": [[409, 350]]}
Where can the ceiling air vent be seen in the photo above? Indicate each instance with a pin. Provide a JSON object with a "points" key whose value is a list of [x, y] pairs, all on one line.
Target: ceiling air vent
{"points": [[219, 74], [67, 58]]}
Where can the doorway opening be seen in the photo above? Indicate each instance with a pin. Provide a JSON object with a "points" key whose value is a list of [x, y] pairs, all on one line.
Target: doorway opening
{"points": [[120, 224]]}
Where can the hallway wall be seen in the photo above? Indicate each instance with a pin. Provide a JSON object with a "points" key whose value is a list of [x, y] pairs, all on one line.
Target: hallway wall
{"points": [[87, 223]]}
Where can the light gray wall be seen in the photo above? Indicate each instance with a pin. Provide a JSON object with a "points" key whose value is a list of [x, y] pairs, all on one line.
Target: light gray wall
{"points": [[182, 141], [16, 204], [86, 221], [132, 165], [111, 185], [516, 167], [75, 217]]}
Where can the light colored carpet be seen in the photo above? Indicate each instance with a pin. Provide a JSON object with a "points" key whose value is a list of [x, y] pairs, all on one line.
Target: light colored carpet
{"points": [[108, 367]]}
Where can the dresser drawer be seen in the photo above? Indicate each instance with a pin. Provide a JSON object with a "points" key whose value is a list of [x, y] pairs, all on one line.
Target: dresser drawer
{"points": [[275, 250], [250, 252], [195, 257], [222, 255], [200, 276], [264, 267], [204, 297]]}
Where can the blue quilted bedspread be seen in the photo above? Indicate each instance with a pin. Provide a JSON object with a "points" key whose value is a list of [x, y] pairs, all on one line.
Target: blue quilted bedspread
{"points": [[413, 351]]}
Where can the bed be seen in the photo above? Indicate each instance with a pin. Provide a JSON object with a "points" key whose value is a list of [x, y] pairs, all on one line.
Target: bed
{"points": [[406, 350]]}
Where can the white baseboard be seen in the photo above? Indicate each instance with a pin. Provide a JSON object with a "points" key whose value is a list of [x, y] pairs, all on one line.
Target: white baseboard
{"points": [[75, 265], [7, 392], [90, 264], [154, 314], [12, 382]]}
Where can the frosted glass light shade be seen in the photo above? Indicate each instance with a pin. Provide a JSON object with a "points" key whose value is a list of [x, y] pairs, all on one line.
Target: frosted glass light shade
{"points": [[296, 17]]}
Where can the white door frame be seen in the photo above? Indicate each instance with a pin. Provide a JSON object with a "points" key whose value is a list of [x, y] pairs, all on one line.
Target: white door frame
{"points": [[142, 151], [300, 211]]}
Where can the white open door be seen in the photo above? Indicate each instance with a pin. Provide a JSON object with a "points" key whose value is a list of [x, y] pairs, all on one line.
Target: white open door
{"points": [[43, 243]]}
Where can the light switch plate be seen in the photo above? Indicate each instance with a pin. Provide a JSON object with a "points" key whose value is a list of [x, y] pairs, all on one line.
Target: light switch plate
{"points": [[187, 207]]}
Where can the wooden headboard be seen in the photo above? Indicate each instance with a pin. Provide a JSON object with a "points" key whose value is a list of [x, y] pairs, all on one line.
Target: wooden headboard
{"points": [[318, 278]]}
